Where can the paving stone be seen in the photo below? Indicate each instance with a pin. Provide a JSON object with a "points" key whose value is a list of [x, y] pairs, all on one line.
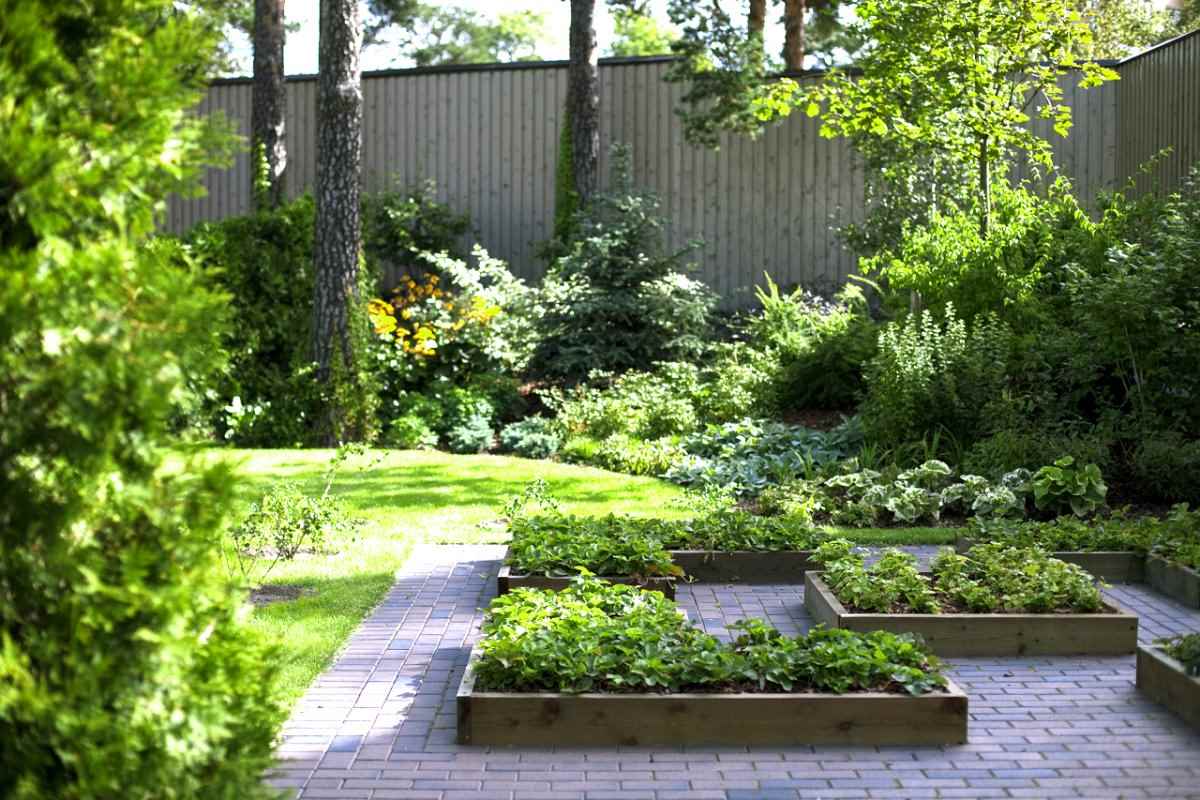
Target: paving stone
{"points": [[379, 723]]}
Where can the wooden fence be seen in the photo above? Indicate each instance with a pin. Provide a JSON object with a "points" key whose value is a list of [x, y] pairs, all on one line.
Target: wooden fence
{"points": [[488, 137]]}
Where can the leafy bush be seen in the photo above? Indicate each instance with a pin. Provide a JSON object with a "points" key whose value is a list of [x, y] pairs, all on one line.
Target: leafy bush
{"points": [[596, 637], [399, 225], [285, 521], [409, 432], [617, 301], [750, 455], [263, 262], [1011, 448], [948, 261], [992, 578], [647, 405], [930, 377], [820, 347], [471, 435], [1165, 467], [1184, 649], [1064, 486], [1178, 537], [533, 437], [126, 671], [457, 327], [921, 494], [621, 453]]}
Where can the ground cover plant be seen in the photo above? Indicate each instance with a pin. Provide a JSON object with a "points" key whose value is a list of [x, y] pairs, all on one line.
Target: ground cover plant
{"points": [[990, 578], [598, 637]]}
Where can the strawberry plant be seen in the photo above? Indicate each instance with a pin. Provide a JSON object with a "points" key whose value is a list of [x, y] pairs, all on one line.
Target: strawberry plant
{"points": [[597, 637], [990, 578], [1184, 649]]}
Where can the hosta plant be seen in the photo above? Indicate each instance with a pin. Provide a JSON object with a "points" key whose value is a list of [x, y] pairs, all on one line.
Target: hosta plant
{"points": [[1064, 486]]}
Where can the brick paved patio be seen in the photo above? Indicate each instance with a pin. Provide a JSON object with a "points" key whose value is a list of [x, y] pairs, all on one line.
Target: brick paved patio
{"points": [[380, 723]]}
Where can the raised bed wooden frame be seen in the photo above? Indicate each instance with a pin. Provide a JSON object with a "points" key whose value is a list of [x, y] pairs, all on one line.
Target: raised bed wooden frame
{"points": [[1163, 680], [1174, 580], [752, 719], [969, 635]]}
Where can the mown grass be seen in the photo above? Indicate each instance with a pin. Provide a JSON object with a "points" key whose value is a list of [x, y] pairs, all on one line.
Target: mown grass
{"points": [[406, 498], [412, 497]]}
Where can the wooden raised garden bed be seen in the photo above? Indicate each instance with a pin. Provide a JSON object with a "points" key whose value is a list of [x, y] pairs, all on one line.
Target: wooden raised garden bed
{"points": [[1163, 680], [966, 635], [754, 719], [1174, 580], [1114, 566], [506, 581], [744, 566]]}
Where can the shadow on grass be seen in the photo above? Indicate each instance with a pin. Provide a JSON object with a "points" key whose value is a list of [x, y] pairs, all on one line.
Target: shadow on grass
{"points": [[311, 628]]}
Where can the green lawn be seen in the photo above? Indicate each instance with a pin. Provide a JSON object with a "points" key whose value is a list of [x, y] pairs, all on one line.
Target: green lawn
{"points": [[406, 497], [410, 497]]}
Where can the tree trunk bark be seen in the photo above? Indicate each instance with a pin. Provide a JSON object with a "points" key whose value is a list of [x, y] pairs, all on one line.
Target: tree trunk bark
{"points": [[583, 99], [268, 106], [339, 164], [793, 34], [985, 188], [756, 20]]}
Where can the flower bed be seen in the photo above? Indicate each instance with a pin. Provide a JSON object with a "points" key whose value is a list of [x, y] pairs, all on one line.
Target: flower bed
{"points": [[602, 664], [1169, 674], [1117, 566], [995, 601]]}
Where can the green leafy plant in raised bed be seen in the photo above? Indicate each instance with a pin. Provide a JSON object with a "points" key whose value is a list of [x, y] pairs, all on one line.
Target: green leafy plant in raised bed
{"points": [[1120, 532], [562, 544], [1184, 649], [991, 578], [1175, 537], [596, 637]]}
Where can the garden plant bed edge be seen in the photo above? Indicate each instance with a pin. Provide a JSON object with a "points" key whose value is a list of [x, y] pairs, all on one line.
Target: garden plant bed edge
{"points": [[1163, 680], [507, 580], [752, 719], [969, 635]]}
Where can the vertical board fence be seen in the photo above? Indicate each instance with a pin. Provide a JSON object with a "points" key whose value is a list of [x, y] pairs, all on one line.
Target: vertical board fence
{"points": [[488, 137]]}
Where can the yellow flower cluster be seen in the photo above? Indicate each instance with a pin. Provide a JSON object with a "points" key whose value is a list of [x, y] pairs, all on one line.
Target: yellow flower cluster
{"points": [[421, 316]]}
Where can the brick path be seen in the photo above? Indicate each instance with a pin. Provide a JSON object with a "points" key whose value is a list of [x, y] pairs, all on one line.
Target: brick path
{"points": [[380, 723]]}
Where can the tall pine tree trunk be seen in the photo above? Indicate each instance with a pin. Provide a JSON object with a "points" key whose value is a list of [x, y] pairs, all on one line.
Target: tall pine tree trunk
{"points": [[756, 22], [793, 34], [337, 243], [268, 106], [583, 99]]}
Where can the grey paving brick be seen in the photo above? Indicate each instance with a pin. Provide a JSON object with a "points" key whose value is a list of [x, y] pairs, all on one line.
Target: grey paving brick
{"points": [[379, 724]]}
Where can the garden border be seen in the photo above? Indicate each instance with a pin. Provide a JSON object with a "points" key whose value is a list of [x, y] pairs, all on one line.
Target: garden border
{"points": [[1163, 680], [752, 719], [995, 635]]}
